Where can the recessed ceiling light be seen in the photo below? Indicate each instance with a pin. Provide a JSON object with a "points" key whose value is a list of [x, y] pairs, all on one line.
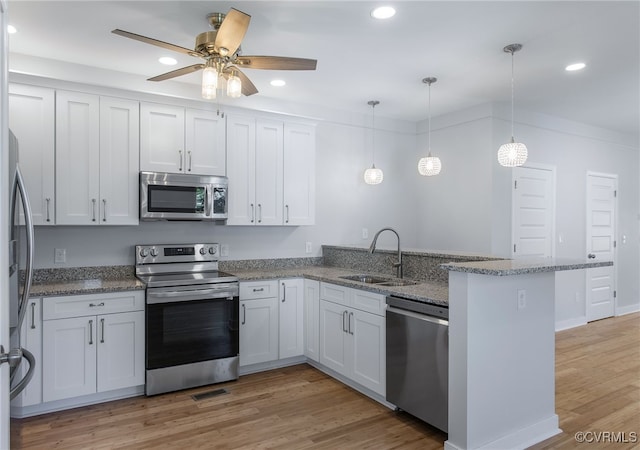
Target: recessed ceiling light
{"points": [[574, 67], [383, 12], [11, 29], [168, 61], [278, 83]]}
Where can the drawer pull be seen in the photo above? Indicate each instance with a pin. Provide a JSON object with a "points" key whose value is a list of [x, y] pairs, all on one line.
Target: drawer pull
{"points": [[93, 305], [258, 290]]}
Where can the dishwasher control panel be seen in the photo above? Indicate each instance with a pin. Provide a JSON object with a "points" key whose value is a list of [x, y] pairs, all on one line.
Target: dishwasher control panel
{"points": [[441, 312]]}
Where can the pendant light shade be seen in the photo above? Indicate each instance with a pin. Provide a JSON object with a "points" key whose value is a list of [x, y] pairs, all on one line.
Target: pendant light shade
{"points": [[512, 154], [373, 175], [234, 85], [429, 165]]}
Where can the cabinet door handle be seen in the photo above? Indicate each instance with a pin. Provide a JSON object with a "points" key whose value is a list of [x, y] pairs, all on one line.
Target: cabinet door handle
{"points": [[190, 160], [244, 314], [33, 316], [102, 326], [259, 213], [93, 305], [91, 332], [93, 209], [253, 213], [286, 207], [284, 293], [48, 200], [344, 326], [104, 209], [180, 160], [350, 330]]}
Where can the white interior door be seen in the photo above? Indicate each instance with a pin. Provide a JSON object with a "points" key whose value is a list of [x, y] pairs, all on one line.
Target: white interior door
{"points": [[601, 244], [533, 209]]}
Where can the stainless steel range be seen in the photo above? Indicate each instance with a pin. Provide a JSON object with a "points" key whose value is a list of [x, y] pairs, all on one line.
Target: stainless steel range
{"points": [[192, 315]]}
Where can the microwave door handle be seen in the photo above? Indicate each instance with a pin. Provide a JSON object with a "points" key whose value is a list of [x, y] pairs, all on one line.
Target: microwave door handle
{"points": [[208, 202]]}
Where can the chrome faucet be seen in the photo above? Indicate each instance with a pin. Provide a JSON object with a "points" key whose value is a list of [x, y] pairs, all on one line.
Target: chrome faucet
{"points": [[372, 248]]}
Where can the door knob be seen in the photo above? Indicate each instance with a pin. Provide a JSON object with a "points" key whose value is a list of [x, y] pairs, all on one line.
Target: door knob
{"points": [[591, 256]]}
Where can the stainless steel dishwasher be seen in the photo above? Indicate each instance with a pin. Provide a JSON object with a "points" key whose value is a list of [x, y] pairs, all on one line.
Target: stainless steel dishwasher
{"points": [[418, 359]]}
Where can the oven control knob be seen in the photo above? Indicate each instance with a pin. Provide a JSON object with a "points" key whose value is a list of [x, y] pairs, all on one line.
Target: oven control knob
{"points": [[212, 250], [144, 252], [153, 252], [203, 251]]}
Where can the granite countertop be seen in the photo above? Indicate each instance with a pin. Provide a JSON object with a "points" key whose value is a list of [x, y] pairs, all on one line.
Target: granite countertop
{"points": [[506, 267], [95, 280], [424, 291]]}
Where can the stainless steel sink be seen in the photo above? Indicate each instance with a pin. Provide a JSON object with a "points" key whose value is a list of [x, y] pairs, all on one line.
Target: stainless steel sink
{"points": [[369, 279], [379, 281]]}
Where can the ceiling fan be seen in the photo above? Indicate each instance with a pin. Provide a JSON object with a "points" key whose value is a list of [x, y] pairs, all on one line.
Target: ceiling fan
{"points": [[220, 50]]}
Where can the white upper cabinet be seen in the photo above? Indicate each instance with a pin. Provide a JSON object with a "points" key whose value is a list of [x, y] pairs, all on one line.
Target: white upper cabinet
{"points": [[119, 161], [96, 160], [31, 118], [271, 170], [299, 174], [181, 140]]}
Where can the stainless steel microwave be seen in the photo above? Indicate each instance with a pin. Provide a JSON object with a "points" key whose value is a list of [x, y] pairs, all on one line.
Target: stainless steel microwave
{"points": [[174, 196]]}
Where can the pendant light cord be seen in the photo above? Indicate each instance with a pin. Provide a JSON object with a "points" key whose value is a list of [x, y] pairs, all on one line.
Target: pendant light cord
{"points": [[429, 115], [512, 93], [373, 134]]}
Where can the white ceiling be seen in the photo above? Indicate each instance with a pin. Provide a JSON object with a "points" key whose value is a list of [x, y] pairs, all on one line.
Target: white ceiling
{"points": [[361, 59]]}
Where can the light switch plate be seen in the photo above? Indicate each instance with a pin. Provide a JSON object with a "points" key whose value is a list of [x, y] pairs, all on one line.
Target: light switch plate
{"points": [[60, 255], [224, 249], [308, 248]]}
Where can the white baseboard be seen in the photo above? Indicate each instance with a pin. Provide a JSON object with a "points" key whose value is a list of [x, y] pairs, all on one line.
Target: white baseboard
{"points": [[571, 323], [519, 439], [629, 309]]}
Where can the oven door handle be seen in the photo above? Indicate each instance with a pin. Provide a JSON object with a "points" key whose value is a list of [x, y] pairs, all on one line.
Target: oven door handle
{"points": [[185, 296]]}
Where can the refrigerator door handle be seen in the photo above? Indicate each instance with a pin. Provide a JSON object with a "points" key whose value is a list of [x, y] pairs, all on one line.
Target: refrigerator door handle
{"points": [[19, 185]]}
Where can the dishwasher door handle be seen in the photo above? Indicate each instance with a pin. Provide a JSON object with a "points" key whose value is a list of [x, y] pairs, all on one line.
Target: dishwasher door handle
{"points": [[419, 316]]}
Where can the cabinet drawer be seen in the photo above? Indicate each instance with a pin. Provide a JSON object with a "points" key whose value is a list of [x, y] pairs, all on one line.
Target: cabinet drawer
{"points": [[335, 293], [94, 304], [369, 302], [258, 289]]}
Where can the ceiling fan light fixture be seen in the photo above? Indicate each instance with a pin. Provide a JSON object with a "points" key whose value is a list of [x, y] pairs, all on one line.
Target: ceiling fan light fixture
{"points": [[209, 83], [234, 86]]}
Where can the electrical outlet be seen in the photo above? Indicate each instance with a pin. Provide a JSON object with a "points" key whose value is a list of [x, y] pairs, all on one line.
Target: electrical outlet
{"points": [[308, 247], [522, 299], [365, 233], [60, 255], [224, 249]]}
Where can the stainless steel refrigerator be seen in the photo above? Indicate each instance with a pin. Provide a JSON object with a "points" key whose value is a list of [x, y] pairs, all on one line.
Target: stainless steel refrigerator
{"points": [[20, 274]]}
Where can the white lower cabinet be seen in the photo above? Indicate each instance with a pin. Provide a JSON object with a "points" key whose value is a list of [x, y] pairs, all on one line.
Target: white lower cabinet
{"points": [[271, 320], [92, 343], [352, 341], [312, 319]]}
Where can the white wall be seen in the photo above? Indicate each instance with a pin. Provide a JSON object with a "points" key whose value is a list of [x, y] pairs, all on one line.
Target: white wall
{"points": [[469, 203]]}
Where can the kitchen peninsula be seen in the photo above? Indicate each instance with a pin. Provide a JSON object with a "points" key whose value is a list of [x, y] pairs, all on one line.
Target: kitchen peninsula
{"points": [[502, 352]]}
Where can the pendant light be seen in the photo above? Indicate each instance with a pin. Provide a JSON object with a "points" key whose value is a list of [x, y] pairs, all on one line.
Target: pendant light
{"points": [[373, 175], [429, 165], [512, 154]]}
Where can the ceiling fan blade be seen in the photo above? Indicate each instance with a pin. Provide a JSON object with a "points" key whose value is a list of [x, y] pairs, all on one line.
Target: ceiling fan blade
{"points": [[248, 88], [276, 63], [232, 31], [148, 40], [178, 72]]}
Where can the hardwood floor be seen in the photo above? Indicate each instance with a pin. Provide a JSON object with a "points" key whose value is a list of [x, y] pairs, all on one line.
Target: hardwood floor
{"points": [[597, 380]]}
